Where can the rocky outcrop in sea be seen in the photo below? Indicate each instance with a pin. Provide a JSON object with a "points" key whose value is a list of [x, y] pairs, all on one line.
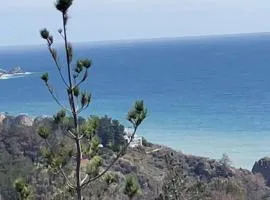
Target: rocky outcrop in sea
{"points": [[262, 167]]}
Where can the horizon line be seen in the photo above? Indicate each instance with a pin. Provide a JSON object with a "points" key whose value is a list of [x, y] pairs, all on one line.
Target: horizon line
{"points": [[150, 39]]}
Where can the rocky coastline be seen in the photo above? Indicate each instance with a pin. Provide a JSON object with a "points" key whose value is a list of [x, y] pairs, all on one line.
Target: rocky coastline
{"points": [[18, 138]]}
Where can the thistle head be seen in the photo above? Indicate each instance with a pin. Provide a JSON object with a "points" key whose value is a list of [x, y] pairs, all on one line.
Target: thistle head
{"points": [[44, 33], [85, 99], [79, 66], [76, 91], [63, 5], [45, 77], [82, 63], [87, 63]]}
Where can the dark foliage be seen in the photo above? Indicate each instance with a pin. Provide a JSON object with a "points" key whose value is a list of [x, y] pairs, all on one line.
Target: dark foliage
{"points": [[111, 133]]}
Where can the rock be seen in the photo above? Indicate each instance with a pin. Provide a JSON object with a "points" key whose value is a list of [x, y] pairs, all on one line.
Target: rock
{"points": [[125, 166], [206, 168], [203, 169], [263, 167], [2, 117], [7, 122], [23, 120]]}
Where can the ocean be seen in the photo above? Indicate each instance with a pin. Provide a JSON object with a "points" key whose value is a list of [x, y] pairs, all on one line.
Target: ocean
{"points": [[205, 95]]}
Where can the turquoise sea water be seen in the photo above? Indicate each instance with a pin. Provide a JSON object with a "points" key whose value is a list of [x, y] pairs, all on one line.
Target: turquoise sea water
{"points": [[206, 96]]}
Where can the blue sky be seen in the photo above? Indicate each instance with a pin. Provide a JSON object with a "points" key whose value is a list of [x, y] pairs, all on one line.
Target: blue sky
{"points": [[98, 20]]}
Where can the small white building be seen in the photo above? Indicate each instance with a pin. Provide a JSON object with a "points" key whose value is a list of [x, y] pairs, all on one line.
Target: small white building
{"points": [[137, 141]]}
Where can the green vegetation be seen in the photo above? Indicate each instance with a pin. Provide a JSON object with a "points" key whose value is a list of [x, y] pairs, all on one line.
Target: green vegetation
{"points": [[178, 186], [14, 145], [110, 133], [60, 157], [110, 178], [188, 175], [132, 187], [227, 189], [23, 189]]}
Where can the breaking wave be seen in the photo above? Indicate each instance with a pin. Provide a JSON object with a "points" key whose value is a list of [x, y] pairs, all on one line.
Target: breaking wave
{"points": [[12, 76]]}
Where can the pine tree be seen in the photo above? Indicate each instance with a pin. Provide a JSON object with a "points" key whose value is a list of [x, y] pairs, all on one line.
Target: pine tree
{"points": [[59, 158]]}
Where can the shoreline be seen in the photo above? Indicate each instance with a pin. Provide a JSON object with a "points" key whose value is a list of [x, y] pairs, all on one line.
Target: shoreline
{"points": [[187, 145]]}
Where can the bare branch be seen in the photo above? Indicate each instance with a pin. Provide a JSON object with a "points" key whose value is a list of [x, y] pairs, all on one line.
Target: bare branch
{"points": [[56, 99], [57, 64], [72, 135], [84, 179], [61, 35], [67, 179], [66, 133], [83, 108], [83, 78], [47, 143]]}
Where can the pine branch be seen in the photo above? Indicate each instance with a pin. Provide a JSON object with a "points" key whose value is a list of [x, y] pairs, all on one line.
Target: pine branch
{"points": [[67, 179], [83, 79], [55, 98], [120, 154], [53, 54]]}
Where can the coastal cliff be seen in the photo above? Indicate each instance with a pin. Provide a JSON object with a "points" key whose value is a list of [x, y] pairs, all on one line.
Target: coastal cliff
{"points": [[19, 153]]}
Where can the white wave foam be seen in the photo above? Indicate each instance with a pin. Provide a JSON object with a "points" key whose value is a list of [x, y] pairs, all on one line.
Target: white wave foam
{"points": [[12, 76]]}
